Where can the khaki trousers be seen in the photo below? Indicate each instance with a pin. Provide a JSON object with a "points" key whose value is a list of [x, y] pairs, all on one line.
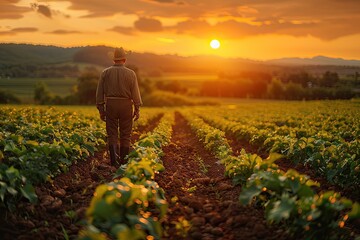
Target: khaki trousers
{"points": [[119, 117]]}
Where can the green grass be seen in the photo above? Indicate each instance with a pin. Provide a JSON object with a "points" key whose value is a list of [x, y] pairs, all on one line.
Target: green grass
{"points": [[82, 109], [23, 88]]}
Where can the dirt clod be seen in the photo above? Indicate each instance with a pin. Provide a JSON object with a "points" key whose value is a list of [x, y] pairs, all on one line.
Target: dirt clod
{"points": [[60, 193], [198, 221]]}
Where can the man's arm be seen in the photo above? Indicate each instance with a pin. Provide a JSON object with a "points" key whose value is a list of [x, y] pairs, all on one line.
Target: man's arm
{"points": [[100, 98], [135, 93]]}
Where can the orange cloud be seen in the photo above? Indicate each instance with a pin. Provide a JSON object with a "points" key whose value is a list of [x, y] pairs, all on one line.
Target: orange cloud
{"points": [[44, 10], [123, 30], [148, 25], [323, 19], [162, 1], [8, 10], [14, 31], [62, 31]]}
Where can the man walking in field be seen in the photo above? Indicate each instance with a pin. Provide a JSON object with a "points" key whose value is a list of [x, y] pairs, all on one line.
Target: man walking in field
{"points": [[116, 93]]}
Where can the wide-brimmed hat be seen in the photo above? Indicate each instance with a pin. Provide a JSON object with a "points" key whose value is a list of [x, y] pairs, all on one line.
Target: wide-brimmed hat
{"points": [[119, 54]]}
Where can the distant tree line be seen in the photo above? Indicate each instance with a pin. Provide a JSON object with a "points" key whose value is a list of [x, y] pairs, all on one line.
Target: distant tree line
{"points": [[38, 70], [8, 98], [250, 84], [94, 55], [293, 86]]}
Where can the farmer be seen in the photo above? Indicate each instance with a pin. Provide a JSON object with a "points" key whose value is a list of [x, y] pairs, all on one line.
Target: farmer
{"points": [[116, 93]]}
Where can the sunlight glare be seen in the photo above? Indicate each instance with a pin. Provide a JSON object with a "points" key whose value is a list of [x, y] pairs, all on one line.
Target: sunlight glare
{"points": [[215, 44]]}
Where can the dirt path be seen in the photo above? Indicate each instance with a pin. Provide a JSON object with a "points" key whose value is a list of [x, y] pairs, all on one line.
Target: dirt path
{"points": [[195, 186], [63, 203]]}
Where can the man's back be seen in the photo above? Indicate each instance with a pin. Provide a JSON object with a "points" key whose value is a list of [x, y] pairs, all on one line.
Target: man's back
{"points": [[118, 81]]}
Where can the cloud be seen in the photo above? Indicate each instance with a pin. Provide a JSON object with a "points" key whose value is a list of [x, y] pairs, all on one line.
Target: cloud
{"points": [[24, 29], [202, 8], [62, 31], [162, 1], [15, 31], [123, 30], [8, 10], [152, 8], [327, 30], [324, 19], [148, 25], [44, 10], [48, 11]]}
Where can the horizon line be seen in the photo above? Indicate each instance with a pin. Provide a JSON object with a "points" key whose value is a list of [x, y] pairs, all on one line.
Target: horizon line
{"points": [[176, 54]]}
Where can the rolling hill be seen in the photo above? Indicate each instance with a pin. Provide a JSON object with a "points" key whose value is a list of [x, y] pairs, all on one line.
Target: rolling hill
{"points": [[11, 53], [318, 60], [150, 63]]}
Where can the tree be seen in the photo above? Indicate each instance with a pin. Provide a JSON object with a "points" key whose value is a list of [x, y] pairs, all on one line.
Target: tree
{"points": [[294, 91], [86, 87], [170, 86], [276, 90], [145, 86], [7, 97], [42, 94], [302, 78], [329, 79]]}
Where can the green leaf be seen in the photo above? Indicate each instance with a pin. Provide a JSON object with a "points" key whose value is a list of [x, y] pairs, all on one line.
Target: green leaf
{"points": [[248, 194], [62, 150], [9, 147], [159, 167], [11, 190], [355, 211], [295, 185], [282, 209], [32, 143], [12, 173], [312, 183], [28, 192], [92, 233], [121, 231], [105, 210], [305, 191], [273, 157]]}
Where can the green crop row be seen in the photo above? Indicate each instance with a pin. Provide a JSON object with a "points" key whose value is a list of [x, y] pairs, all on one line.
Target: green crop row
{"points": [[132, 207], [288, 197], [38, 143], [337, 159], [306, 119], [147, 115]]}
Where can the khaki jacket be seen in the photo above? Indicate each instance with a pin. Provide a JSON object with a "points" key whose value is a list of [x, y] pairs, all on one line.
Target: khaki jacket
{"points": [[120, 82]]}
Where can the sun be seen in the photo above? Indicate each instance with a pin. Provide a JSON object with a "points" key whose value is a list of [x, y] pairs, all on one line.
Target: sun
{"points": [[215, 44]]}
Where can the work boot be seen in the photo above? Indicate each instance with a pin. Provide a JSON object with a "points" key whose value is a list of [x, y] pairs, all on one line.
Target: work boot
{"points": [[118, 151], [113, 155], [124, 151]]}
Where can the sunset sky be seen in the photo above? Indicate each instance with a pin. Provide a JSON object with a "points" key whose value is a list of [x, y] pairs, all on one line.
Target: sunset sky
{"points": [[254, 29]]}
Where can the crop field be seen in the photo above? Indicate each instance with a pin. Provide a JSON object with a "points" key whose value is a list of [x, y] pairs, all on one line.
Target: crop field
{"points": [[24, 87], [251, 170], [178, 76]]}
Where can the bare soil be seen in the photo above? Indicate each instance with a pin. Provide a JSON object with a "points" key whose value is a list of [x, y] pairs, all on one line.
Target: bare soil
{"points": [[197, 191]]}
